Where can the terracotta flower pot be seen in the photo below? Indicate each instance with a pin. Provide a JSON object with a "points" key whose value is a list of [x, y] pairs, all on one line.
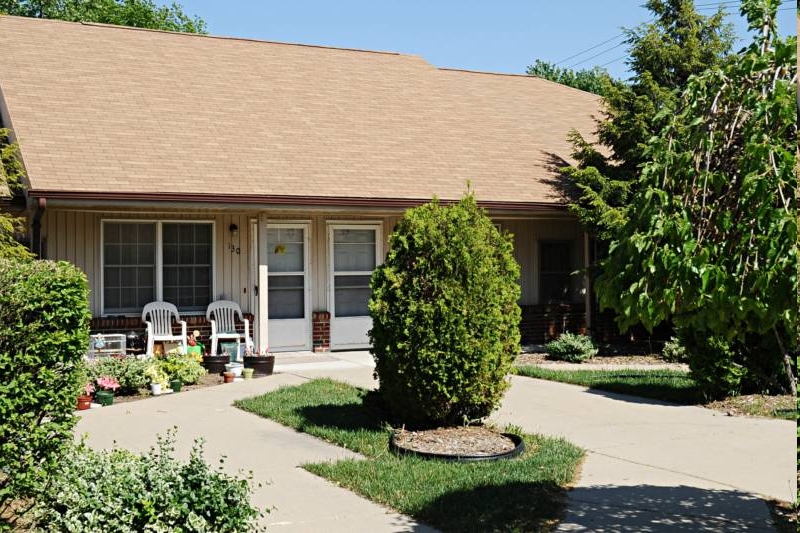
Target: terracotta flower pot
{"points": [[84, 402], [228, 377]]}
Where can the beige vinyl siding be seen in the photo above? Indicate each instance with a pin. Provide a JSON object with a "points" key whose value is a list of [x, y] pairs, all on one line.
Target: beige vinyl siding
{"points": [[527, 236], [74, 236]]}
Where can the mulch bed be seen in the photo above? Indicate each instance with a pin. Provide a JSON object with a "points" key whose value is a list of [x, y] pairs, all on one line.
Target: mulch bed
{"points": [[456, 441], [539, 358]]}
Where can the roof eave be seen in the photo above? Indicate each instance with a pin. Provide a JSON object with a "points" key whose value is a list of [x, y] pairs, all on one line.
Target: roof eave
{"points": [[257, 200]]}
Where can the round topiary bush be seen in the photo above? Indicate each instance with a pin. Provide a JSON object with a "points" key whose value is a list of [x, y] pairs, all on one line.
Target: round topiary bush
{"points": [[445, 315], [571, 348]]}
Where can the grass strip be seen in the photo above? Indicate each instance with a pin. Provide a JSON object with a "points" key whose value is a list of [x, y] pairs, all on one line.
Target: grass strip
{"points": [[522, 494], [666, 385]]}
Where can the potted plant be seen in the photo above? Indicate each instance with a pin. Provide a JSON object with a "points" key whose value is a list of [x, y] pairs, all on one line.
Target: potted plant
{"points": [[158, 379], [106, 385], [176, 384], [85, 399], [228, 377], [262, 364], [247, 373]]}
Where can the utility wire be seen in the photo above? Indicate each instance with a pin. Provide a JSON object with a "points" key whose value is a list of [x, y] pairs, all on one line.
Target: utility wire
{"points": [[597, 55], [705, 7], [590, 49]]}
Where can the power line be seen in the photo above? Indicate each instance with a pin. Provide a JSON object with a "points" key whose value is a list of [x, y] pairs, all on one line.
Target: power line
{"points": [[612, 61], [597, 54], [590, 49]]}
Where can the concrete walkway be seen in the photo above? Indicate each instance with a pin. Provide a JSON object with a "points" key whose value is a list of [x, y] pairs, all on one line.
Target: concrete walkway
{"points": [[649, 467]]}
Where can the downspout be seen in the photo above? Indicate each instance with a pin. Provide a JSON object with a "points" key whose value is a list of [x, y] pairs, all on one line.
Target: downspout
{"points": [[36, 227], [587, 265]]}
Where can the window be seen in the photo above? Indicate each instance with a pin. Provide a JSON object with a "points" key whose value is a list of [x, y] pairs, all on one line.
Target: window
{"points": [[287, 267], [354, 253], [187, 265], [147, 261], [555, 267], [129, 266]]}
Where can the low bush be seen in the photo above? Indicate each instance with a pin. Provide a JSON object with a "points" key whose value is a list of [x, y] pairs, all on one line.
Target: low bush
{"points": [[128, 371], [571, 348], [44, 332], [117, 490], [183, 367], [674, 351]]}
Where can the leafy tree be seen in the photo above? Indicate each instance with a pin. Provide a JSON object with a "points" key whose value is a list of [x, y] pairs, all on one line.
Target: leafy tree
{"points": [[11, 173], [445, 316], [137, 13], [711, 240], [664, 53], [595, 80]]}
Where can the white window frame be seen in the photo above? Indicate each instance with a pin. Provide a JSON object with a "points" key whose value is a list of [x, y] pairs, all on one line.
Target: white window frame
{"points": [[159, 258]]}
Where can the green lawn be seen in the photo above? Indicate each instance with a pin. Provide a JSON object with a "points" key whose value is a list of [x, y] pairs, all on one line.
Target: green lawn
{"points": [[522, 494], [667, 385]]}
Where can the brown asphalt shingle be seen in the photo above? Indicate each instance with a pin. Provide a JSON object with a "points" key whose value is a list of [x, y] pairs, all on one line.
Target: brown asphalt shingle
{"points": [[101, 108]]}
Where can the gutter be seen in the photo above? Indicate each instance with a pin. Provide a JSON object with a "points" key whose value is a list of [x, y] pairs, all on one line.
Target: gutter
{"points": [[277, 200], [36, 227]]}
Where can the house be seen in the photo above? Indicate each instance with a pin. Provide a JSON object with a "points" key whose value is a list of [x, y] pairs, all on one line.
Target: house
{"points": [[191, 168]]}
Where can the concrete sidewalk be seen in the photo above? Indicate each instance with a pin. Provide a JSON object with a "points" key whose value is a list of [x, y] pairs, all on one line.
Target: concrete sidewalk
{"points": [[649, 467], [653, 466]]}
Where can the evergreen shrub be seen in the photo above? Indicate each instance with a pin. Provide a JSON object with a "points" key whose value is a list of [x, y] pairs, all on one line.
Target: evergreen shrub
{"points": [[445, 315], [44, 333], [571, 348]]}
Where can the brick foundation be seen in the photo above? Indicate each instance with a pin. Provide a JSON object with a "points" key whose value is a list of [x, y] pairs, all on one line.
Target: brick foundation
{"points": [[134, 323], [321, 323], [542, 323]]}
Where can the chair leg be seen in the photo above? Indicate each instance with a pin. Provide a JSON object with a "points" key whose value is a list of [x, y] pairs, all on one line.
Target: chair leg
{"points": [[213, 346]]}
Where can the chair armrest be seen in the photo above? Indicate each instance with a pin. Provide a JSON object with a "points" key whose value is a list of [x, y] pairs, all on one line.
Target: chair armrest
{"points": [[213, 327], [183, 328]]}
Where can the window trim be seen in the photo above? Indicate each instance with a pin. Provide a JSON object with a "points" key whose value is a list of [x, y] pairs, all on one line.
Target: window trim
{"points": [[159, 258]]}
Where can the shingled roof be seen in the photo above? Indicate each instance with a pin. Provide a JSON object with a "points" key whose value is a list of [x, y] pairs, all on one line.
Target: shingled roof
{"points": [[101, 109]]}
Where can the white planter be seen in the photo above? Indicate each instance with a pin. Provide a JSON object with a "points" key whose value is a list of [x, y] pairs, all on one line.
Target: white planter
{"points": [[155, 388], [236, 368]]}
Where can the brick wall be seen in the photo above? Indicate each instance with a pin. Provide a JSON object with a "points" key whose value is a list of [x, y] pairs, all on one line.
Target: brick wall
{"points": [[543, 323], [321, 322], [134, 323]]}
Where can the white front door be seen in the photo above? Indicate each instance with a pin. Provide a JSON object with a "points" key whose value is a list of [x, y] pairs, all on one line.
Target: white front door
{"points": [[288, 293], [353, 251]]}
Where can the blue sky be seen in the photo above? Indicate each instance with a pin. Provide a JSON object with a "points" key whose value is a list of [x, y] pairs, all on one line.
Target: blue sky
{"points": [[497, 36]]}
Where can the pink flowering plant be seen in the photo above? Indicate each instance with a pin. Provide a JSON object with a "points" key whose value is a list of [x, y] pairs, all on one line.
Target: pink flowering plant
{"points": [[89, 389], [107, 383]]}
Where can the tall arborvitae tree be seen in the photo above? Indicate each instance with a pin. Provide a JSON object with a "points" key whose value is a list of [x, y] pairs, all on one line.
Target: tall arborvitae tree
{"points": [[664, 53]]}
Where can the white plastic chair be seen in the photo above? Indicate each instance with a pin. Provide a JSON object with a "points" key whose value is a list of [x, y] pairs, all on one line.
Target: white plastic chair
{"points": [[223, 325], [159, 325]]}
